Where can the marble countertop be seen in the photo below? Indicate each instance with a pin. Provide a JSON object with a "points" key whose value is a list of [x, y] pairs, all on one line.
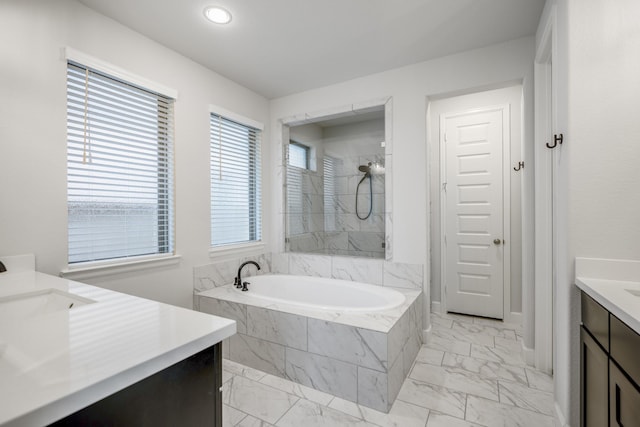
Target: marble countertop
{"points": [[56, 363], [614, 284]]}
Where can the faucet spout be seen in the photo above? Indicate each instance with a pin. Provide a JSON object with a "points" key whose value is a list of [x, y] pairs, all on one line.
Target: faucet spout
{"points": [[238, 279]]}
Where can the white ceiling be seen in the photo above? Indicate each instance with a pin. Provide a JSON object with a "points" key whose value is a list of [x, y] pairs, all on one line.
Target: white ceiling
{"points": [[280, 47]]}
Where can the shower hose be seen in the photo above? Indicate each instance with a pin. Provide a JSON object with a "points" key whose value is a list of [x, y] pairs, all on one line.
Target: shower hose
{"points": [[367, 175]]}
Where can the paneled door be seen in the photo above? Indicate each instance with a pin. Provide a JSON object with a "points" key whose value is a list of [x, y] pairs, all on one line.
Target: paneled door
{"points": [[474, 210]]}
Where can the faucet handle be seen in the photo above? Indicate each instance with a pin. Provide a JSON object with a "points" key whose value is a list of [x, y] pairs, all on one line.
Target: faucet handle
{"points": [[235, 282], [244, 286]]}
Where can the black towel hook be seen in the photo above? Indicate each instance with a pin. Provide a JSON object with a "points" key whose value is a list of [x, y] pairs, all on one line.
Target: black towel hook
{"points": [[520, 166], [557, 139]]}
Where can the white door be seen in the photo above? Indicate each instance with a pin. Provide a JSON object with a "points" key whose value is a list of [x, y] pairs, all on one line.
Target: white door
{"points": [[473, 212]]}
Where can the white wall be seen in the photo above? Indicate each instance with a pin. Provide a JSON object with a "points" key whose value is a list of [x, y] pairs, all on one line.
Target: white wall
{"points": [[33, 135], [598, 105], [409, 86], [513, 97]]}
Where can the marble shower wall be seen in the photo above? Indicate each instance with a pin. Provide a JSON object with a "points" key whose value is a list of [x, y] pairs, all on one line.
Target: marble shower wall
{"points": [[321, 202]]}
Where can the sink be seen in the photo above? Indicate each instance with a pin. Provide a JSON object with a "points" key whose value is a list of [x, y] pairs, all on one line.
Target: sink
{"points": [[37, 303], [634, 292]]}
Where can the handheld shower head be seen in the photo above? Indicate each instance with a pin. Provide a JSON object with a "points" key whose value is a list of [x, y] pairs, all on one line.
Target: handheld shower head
{"points": [[374, 168]]}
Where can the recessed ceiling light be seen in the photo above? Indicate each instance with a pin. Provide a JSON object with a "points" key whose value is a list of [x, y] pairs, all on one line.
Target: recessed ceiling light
{"points": [[217, 15]]}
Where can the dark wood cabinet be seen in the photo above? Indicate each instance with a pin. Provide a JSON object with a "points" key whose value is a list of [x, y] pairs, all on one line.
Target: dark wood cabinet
{"points": [[594, 382], [624, 399], [609, 369], [187, 394]]}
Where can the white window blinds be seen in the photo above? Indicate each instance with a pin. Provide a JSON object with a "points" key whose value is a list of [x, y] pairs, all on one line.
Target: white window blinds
{"points": [[119, 168], [235, 182]]}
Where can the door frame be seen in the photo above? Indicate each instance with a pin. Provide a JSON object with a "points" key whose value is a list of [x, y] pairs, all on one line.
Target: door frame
{"points": [[544, 239], [506, 206]]}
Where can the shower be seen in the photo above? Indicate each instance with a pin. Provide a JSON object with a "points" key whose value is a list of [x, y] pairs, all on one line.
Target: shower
{"points": [[369, 169]]}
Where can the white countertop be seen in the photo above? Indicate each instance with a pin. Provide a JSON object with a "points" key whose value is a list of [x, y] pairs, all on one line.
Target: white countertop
{"points": [[60, 362], [609, 282]]}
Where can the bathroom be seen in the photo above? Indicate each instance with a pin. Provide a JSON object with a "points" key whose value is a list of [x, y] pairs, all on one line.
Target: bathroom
{"points": [[595, 167]]}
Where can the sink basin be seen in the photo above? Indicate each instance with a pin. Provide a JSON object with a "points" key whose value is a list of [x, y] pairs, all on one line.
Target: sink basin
{"points": [[37, 303], [634, 292]]}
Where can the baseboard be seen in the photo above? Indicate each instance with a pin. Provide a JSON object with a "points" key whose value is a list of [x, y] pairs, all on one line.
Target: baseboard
{"points": [[436, 307], [513, 317], [426, 334], [560, 420], [528, 354]]}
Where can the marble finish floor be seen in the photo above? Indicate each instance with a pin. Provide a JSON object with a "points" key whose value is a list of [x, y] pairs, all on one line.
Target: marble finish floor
{"points": [[471, 374]]}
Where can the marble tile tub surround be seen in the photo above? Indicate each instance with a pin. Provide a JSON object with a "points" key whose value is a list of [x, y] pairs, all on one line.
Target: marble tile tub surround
{"points": [[274, 345], [433, 395], [360, 357], [365, 270]]}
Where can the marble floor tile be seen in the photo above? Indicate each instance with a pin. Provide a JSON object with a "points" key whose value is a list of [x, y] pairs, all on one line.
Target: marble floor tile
{"points": [[441, 420], [259, 400], [441, 322], [527, 398], [497, 323], [402, 414], [250, 421], [493, 414], [486, 368], [429, 355], [309, 414], [236, 368], [463, 335], [539, 380], [297, 389], [231, 416], [452, 346], [495, 354], [433, 397], [514, 346], [455, 382], [456, 379], [484, 330], [454, 316]]}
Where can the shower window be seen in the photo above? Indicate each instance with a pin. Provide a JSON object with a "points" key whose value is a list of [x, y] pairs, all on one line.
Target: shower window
{"points": [[299, 155]]}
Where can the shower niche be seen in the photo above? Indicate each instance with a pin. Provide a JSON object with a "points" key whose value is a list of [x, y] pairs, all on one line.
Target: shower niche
{"points": [[337, 168]]}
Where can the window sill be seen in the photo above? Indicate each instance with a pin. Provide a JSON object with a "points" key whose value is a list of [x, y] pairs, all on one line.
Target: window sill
{"points": [[99, 269], [225, 253]]}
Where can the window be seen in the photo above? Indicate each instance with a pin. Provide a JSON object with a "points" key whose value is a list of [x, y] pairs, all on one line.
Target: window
{"points": [[299, 155], [119, 168], [235, 182]]}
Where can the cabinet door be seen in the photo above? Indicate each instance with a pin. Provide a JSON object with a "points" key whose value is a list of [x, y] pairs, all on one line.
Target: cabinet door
{"points": [[624, 399], [594, 383]]}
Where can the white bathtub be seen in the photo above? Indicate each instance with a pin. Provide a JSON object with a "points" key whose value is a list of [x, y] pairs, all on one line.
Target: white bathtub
{"points": [[323, 294]]}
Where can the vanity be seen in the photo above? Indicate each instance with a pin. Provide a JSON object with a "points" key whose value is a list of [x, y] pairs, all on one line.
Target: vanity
{"points": [[609, 342], [76, 354]]}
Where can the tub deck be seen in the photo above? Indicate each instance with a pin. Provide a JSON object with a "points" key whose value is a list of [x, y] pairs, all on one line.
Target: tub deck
{"points": [[362, 357]]}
